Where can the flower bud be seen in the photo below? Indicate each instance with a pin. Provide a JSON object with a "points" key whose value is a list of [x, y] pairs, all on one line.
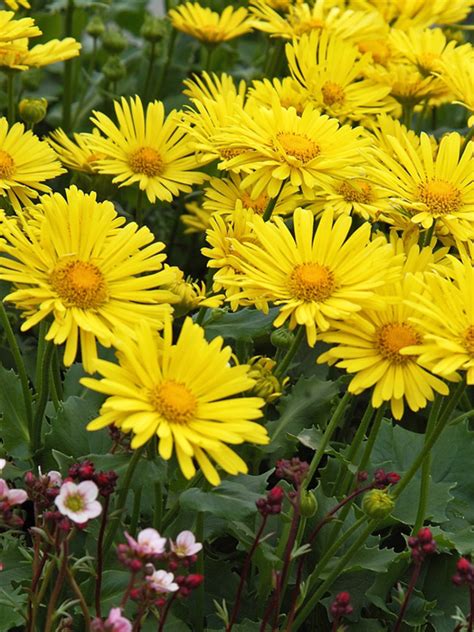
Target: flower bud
{"points": [[95, 27], [377, 504], [114, 41], [308, 504], [114, 69], [153, 29], [282, 338], [32, 111]]}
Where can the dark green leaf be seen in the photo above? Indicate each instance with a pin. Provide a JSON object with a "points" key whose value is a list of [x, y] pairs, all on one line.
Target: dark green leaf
{"points": [[13, 423]]}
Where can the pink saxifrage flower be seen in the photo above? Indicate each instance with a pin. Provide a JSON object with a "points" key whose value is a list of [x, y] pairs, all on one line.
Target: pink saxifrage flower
{"points": [[185, 545], [116, 623], [162, 582], [148, 543], [11, 496], [78, 502]]}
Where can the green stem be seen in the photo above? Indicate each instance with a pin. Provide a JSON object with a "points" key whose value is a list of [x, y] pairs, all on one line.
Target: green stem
{"points": [[426, 467], [137, 500], [429, 234], [334, 574], [329, 431], [139, 215], [372, 437], [53, 390], [80, 597], [68, 67], [20, 365], [121, 500], [172, 512], [272, 203], [158, 508], [430, 440], [11, 96], [407, 114], [166, 67], [209, 48], [199, 620], [467, 139], [42, 388], [344, 478], [149, 74], [290, 354]]}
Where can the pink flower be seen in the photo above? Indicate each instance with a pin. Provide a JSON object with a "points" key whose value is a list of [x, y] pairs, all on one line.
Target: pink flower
{"points": [[148, 542], [55, 479], [11, 496], [78, 502], [185, 545], [162, 582], [116, 623]]}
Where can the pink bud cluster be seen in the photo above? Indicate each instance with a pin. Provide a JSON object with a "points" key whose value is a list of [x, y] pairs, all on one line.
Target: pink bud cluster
{"points": [[85, 471], [272, 502], [464, 573], [43, 489], [422, 545], [341, 606], [292, 470]]}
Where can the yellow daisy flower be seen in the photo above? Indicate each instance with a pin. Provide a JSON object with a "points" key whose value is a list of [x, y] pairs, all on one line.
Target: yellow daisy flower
{"points": [[315, 279], [189, 294], [418, 13], [225, 195], [456, 70], [208, 26], [186, 394], [330, 70], [74, 154], [424, 48], [275, 145], [15, 5], [287, 91], [445, 315], [384, 126], [430, 189], [14, 29], [196, 219], [16, 55], [145, 149], [77, 262], [370, 345], [25, 163]]}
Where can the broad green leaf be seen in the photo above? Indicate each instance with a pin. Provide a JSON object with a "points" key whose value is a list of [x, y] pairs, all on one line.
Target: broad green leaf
{"points": [[13, 421], [230, 500], [245, 324]]}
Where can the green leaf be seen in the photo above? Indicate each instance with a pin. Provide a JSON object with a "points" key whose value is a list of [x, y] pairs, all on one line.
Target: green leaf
{"points": [[231, 500], [245, 324], [13, 422], [308, 402], [16, 568]]}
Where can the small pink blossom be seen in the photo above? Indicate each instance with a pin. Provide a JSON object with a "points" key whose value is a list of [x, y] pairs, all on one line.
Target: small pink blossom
{"points": [[185, 545], [116, 623], [55, 479], [148, 542], [11, 496], [162, 582], [78, 502]]}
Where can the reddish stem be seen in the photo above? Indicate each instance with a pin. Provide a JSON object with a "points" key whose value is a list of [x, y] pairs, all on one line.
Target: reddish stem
{"points": [[471, 613], [244, 574], [268, 610], [166, 609], [127, 592], [335, 624], [100, 557], [414, 576]]}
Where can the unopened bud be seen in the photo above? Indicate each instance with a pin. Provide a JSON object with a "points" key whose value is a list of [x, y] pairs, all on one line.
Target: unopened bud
{"points": [[282, 338], [377, 504], [114, 41], [308, 504], [114, 69], [32, 111], [95, 27], [153, 29]]}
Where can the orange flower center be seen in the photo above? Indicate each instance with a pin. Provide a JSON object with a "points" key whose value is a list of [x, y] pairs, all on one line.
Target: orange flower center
{"points": [[307, 26], [7, 165], [174, 401], [80, 284], [361, 192], [333, 93], [392, 337], [469, 339], [312, 282], [258, 204], [147, 161], [441, 197], [299, 146], [377, 48]]}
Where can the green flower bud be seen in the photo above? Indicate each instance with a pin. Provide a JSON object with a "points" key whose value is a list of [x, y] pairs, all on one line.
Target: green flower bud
{"points": [[95, 27], [114, 69], [308, 504], [282, 338], [114, 41], [378, 504], [153, 29], [32, 111]]}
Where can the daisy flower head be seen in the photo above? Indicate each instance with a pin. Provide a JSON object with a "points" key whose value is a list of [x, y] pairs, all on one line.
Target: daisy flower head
{"points": [[25, 163], [18, 56], [287, 91], [77, 262], [424, 48], [16, 29], [277, 145], [209, 26], [456, 71], [79, 502], [185, 544], [315, 278], [331, 71], [145, 148], [186, 394], [74, 154], [444, 312], [370, 345], [429, 189]]}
